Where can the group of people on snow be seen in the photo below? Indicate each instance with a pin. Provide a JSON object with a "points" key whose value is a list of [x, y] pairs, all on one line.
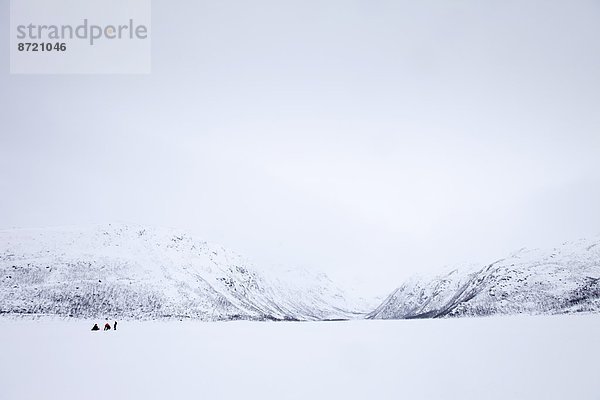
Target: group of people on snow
{"points": [[106, 327]]}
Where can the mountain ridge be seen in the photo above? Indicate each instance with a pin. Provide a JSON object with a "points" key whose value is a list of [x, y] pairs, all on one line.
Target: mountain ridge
{"points": [[136, 272], [564, 279]]}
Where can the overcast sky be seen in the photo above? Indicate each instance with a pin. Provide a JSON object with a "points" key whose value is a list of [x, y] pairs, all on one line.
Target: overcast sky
{"points": [[368, 139]]}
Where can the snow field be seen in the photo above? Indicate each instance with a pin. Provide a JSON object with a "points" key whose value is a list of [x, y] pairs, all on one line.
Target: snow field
{"points": [[543, 357]]}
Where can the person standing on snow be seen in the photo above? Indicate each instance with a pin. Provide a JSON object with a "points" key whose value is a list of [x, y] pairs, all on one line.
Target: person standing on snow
{"points": [[115, 326]]}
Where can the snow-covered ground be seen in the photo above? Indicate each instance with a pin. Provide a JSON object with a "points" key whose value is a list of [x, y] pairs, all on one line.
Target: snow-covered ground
{"points": [[542, 357]]}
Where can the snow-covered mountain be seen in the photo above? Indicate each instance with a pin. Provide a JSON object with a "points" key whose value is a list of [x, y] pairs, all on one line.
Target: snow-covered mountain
{"points": [[120, 271], [562, 280]]}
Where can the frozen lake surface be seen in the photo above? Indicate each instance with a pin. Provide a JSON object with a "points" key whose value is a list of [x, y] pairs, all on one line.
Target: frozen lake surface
{"points": [[550, 357]]}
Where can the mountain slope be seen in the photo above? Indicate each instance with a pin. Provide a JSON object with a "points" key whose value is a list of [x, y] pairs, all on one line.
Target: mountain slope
{"points": [[562, 280], [119, 271]]}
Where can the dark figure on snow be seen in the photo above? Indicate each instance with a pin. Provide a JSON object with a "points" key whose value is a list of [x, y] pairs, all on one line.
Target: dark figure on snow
{"points": [[95, 327], [107, 326], [115, 326]]}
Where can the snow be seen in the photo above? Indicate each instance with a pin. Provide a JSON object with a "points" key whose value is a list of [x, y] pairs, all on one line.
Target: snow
{"points": [[565, 279], [516, 357], [134, 272], [146, 273]]}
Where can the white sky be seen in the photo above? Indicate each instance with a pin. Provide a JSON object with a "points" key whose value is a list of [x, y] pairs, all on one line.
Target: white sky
{"points": [[368, 139]]}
